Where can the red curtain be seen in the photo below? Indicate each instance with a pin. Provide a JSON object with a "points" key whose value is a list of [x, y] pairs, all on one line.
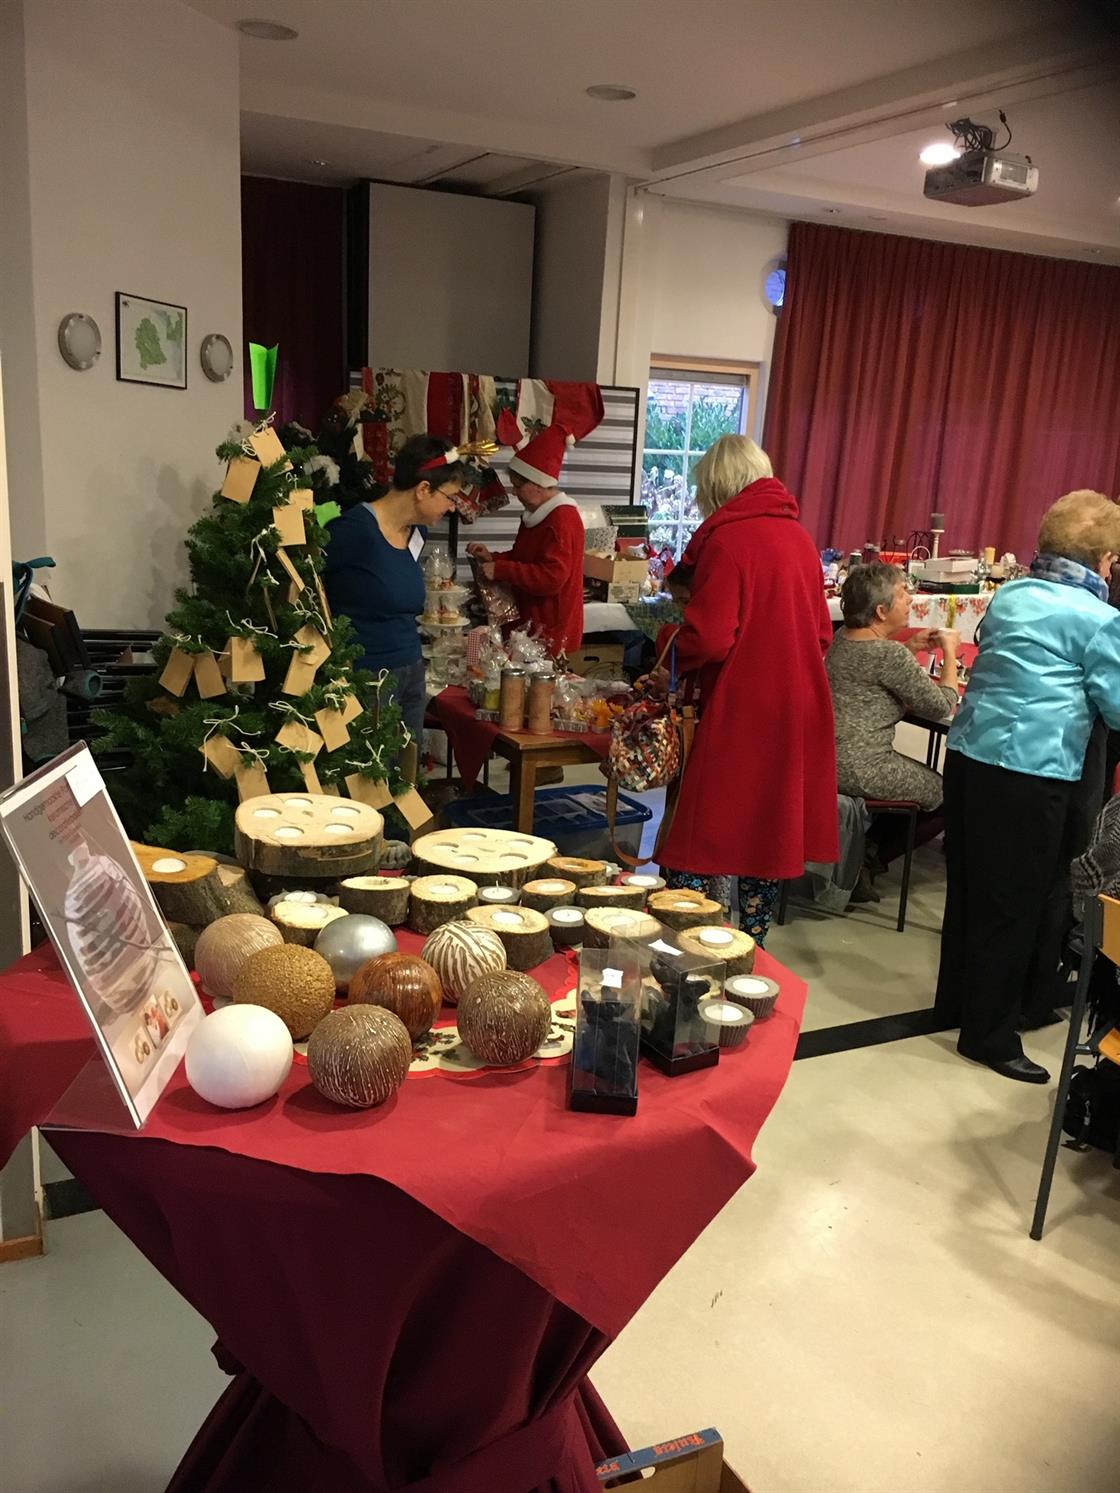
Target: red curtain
{"points": [[292, 271], [913, 377]]}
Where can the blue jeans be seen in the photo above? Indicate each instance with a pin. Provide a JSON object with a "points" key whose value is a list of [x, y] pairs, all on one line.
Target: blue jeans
{"points": [[407, 685]]}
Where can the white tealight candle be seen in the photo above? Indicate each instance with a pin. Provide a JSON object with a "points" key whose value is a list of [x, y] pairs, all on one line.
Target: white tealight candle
{"points": [[715, 938], [445, 889], [724, 1011], [507, 918], [641, 880], [304, 897], [266, 813], [567, 915], [167, 865], [684, 906], [748, 985], [288, 832], [551, 888]]}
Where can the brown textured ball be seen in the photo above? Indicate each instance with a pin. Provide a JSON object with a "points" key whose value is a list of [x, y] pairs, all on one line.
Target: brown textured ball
{"points": [[295, 982], [225, 945], [359, 1056], [504, 1017], [404, 984]]}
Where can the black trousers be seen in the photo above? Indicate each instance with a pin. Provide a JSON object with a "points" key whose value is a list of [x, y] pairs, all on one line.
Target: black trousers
{"points": [[1009, 840]]}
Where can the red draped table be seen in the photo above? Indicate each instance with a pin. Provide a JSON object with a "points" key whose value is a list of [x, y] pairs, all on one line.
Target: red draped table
{"points": [[472, 741], [408, 1298]]}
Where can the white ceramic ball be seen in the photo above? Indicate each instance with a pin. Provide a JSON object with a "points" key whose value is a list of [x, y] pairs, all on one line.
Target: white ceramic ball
{"points": [[239, 1056]]}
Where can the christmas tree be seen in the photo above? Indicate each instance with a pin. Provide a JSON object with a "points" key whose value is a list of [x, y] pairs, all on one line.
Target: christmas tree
{"points": [[257, 688]]}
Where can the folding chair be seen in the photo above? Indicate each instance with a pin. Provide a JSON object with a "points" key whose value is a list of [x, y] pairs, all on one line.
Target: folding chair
{"points": [[1100, 930]]}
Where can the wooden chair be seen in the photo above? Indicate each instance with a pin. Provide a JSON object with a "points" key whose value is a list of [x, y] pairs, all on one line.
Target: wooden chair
{"points": [[1100, 930]]}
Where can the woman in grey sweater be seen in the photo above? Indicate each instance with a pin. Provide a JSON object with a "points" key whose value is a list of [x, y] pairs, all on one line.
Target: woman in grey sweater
{"points": [[876, 681]]}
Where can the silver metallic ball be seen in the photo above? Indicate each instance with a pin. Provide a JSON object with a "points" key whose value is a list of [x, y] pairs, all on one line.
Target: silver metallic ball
{"points": [[348, 942]]}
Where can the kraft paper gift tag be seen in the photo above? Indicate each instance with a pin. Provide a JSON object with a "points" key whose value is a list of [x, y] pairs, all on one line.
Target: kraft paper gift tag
{"points": [[293, 574], [414, 809], [369, 791], [208, 676], [310, 777], [304, 666], [269, 448], [252, 781], [300, 738], [225, 664], [302, 498], [352, 709], [246, 666], [288, 521], [222, 755], [241, 478], [177, 672], [324, 604], [331, 790], [332, 728]]}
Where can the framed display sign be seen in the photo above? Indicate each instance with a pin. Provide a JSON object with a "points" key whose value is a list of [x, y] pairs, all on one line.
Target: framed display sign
{"points": [[151, 342], [72, 851]]}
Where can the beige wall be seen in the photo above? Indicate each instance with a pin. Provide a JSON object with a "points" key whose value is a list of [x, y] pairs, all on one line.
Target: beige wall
{"points": [[127, 178]]}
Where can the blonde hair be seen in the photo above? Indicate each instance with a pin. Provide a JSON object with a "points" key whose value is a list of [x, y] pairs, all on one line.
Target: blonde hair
{"points": [[725, 468], [1082, 526]]}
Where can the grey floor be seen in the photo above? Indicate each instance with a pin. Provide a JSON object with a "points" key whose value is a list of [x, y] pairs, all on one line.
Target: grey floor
{"points": [[866, 1316]]}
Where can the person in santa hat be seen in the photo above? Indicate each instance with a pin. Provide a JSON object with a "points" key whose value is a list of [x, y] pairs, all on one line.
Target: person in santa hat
{"points": [[544, 569]]}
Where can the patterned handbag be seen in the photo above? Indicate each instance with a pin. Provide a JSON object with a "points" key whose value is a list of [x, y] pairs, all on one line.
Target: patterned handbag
{"points": [[650, 743]]}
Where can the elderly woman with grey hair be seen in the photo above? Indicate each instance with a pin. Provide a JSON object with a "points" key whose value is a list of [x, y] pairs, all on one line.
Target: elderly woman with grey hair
{"points": [[876, 681]]}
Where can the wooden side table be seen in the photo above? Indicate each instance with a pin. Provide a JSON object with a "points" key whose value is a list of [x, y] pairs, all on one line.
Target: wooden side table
{"points": [[525, 754]]}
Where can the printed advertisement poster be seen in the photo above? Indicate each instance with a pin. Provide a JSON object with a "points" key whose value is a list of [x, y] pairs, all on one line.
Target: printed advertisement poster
{"points": [[99, 911]]}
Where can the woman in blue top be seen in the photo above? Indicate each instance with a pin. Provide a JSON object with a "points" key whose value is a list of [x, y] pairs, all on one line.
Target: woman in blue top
{"points": [[1049, 664], [372, 570]]}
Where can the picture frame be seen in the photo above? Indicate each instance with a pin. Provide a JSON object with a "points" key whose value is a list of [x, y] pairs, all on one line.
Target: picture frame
{"points": [[151, 341]]}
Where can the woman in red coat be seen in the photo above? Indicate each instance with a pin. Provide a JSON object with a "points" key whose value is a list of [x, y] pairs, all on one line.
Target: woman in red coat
{"points": [[759, 793]]}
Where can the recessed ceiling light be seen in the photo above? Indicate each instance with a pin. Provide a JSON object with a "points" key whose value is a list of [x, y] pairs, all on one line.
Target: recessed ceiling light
{"points": [[939, 153], [830, 209], [611, 93], [314, 161], [267, 30]]}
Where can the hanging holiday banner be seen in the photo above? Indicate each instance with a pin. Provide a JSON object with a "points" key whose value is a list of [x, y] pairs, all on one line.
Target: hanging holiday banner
{"points": [[109, 934]]}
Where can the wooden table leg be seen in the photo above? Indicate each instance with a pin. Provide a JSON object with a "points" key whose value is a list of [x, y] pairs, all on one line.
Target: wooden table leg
{"points": [[523, 787]]}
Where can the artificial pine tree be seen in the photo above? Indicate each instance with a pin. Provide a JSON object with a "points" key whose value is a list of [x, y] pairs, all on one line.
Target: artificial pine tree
{"points": [[252, 654]]}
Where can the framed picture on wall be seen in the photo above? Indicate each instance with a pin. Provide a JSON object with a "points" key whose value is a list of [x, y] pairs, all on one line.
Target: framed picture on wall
{"points": [[151, 342]]}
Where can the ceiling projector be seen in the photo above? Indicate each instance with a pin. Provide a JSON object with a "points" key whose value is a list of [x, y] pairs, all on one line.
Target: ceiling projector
{"points": [[982, 175]]}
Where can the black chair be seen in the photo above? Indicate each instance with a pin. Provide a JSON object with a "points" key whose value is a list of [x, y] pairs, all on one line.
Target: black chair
{"points": [[875, 806]]}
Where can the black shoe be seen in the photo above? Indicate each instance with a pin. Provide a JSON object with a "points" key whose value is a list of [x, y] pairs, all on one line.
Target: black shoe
{"points": [[1033, 1022], [1021, 1068], [863, 891]]}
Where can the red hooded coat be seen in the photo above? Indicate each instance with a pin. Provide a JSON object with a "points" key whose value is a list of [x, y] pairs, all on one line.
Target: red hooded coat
{"points": [[759, 793]]}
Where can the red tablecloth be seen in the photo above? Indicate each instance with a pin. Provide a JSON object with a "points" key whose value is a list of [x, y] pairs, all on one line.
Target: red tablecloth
{"points": [[407, 1285], [472, 740]]}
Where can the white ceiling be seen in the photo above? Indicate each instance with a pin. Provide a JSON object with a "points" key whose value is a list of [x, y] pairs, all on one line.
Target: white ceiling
{"points": [[755, 104]]}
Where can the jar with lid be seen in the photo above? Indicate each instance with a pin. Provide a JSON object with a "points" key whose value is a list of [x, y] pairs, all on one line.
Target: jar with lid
{"points": [[512, 707], [542, 687]]}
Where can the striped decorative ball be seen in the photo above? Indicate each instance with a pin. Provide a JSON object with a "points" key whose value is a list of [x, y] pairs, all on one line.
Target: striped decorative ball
{"points": [[459, 952], [109, 930]]}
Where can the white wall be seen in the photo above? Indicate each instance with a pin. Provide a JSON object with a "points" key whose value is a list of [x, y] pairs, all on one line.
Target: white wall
{"points": [[450, 281], [132, 183], [575, 275], [692, 279]]}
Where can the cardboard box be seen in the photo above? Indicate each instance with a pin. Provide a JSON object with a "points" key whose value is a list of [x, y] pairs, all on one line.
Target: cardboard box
{"points": [[604, 661], [613, 591], [613, 570], [688, 1464]]}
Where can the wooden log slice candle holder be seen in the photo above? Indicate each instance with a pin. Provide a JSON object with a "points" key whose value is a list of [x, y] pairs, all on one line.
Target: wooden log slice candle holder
{"points": [[684, 908], [644, 879], [574, 868], [307, 836], [302, 922], [384, 897], [238, 890], [490, 857], [550, 892], [566, 926], [185, 884], [735, 948], [433, 900], [605, 923], [523, 932], [633, 897]]}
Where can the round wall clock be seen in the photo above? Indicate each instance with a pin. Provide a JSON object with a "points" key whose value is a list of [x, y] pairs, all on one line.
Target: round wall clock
{"points": [[216, 357], [79, 340]]}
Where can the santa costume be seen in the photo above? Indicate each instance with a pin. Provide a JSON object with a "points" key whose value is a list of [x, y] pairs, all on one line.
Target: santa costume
{"points": [[544, 569]]}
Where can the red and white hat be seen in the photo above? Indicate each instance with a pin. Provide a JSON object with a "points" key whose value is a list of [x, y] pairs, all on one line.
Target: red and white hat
{"points": [[541, 456]]}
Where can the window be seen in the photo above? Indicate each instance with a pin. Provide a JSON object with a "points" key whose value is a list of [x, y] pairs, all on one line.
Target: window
{"points": [[690, 403]]}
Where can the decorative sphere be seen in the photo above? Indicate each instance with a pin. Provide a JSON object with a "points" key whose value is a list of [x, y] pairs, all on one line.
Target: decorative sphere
{"points": [[347, 944], [459, 951], [239, 1056], [504, 1017], [359, 1055], [404, 984], [293, 981], [225, 945]]}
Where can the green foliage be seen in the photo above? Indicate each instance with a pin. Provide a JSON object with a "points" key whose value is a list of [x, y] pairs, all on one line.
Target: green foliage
{"points": [[169, 795], [712, 418], [147, 343], [663, 432]]}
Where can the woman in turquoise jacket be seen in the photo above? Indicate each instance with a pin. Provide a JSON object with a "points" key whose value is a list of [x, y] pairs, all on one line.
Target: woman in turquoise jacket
{"points": [[1049, 665]]}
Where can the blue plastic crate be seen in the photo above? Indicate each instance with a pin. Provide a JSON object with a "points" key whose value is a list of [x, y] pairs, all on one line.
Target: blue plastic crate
{"points": [[574, 818]]}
